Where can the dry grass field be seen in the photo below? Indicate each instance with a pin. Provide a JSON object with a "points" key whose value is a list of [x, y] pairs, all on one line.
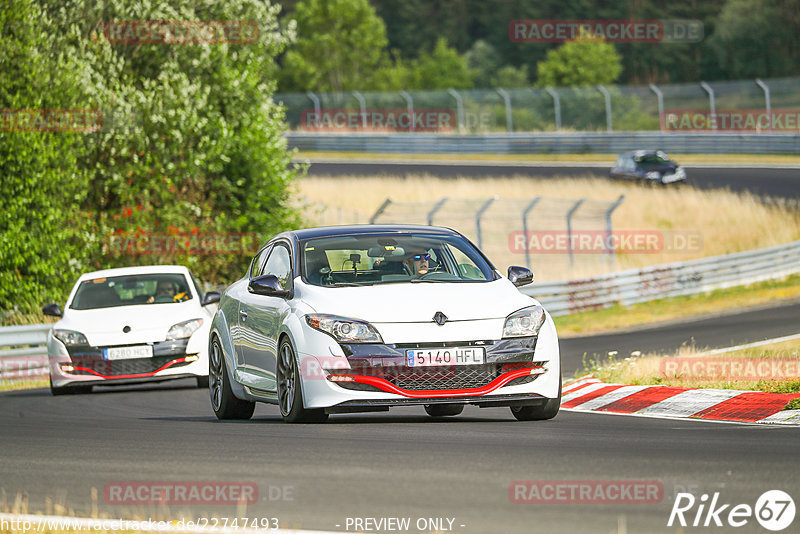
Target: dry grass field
{"points": [[692, 223]]}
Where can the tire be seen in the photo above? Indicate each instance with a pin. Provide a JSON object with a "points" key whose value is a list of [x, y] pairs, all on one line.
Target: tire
{"points": [[202, 382], [443, 410], [539, 413], [290, 391], [224, 403]]}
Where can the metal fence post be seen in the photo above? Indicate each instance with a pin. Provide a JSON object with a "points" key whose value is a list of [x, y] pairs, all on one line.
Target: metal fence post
{"points": [[570, 213], [410, 102], [609, 228], [556, 104], [435, 209], [660, 97], [607, 96], [507, 100], [767, 102], [315, 99], [459, 108], [711, 104], [478, 216], [380, 210], [363, 106], [525, 212]]}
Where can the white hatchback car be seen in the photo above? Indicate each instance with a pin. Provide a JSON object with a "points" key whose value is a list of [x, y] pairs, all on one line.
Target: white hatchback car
{"points": [[364, 318], [130, 325]]}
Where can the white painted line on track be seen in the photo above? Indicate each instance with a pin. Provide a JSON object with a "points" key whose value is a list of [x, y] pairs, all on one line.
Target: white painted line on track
{"points": [[749, 345], [613, 396], [688, 403]]}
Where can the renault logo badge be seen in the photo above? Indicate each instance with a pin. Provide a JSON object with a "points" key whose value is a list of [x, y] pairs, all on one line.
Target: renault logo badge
{"points": [[440, 318]]}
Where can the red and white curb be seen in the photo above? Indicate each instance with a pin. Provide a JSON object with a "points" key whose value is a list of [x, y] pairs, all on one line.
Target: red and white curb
{"points": [[589, 394]]}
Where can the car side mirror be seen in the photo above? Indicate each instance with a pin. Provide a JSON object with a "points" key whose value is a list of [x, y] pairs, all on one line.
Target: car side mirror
{"points": [[210, 298], [52, 310], [520, 276], [267, 285]]}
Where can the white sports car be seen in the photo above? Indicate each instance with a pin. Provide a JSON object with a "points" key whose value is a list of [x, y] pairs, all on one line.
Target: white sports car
{"points": [[364, 318], [129, 325]]}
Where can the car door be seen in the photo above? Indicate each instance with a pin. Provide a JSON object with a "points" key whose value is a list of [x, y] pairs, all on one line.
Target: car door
{"points": [[260, 319], [238, 292]]}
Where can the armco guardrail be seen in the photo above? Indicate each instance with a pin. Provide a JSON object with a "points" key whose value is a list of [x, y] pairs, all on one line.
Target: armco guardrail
{"points": [[22, 351], [547, 143], [667, 280]]}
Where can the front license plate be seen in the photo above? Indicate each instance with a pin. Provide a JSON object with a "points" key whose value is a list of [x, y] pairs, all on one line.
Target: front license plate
{"points": [[446, 356], [126, 353]]}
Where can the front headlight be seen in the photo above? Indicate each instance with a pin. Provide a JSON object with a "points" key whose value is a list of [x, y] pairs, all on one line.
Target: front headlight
{"points": [[70, 338], [343, 329], [524, 323], [184, 329]]}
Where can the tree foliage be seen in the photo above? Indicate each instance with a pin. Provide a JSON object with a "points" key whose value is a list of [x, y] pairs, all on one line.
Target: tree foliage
{"points": [[583, 61]]}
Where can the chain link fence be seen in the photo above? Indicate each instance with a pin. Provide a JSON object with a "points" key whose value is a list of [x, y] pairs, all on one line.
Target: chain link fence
{"points": [[580, 109]]}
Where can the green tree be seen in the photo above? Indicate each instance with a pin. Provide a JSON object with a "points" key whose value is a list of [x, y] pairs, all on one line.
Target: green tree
{"points": [[41, 247], [341, 46], [583, 61], [442, 68]]}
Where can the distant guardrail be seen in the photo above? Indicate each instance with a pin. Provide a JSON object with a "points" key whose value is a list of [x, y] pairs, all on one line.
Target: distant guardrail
{"points": [[667, 280], [23, 353], [547, 143]]}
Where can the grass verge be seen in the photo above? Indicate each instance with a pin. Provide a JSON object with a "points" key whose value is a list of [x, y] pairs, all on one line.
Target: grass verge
{"points": [[785, 159], [773, 368], [13, 385], [620, 317]]}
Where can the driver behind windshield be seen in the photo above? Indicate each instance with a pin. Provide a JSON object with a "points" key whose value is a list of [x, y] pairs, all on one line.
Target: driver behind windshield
{"points": [[416, 262]]}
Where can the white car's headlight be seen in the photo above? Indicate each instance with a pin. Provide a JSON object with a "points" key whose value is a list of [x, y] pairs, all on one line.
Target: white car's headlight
{"points": [[184, 329], [70, 338], [525, 322], [343, 329]]}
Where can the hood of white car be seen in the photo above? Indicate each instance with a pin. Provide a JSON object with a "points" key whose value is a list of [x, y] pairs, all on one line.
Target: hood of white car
{"points": [[147, 322], [417, 302]]}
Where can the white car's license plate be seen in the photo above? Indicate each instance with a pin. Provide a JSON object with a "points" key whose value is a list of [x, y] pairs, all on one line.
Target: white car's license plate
{"points": [[125, 353], [445, 356]]}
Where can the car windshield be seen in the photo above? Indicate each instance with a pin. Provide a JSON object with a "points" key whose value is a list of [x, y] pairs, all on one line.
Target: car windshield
{"points": [[115, 291], [384, 259], [658, 158]]}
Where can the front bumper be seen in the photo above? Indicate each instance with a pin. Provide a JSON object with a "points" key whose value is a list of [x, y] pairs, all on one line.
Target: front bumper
{"points": [[84, 365]]}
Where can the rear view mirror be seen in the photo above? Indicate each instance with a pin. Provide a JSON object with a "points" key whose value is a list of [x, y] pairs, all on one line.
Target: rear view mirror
{"points": [[520, 276], [210, 298], [52, 309], [267, 285]]}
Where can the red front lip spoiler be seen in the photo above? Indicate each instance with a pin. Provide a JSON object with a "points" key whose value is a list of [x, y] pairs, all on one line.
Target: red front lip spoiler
{"points": [[137, 375], [497, 383]]}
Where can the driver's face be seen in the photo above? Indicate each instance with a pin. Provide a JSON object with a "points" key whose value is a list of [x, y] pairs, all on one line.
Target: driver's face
{"points": [[165, 289], [419, 264]]}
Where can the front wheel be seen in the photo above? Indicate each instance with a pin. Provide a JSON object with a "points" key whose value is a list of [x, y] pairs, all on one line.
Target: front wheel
{"points": [[539, 413], [225, 404], [290, 392]]}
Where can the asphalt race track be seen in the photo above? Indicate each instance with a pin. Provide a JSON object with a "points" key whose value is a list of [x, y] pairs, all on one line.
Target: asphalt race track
{"points": [[401, 463], [772, 181], [396, 464]]}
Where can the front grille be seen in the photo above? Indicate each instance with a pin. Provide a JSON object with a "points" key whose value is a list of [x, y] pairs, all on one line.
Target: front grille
{"points": [[435, 378], [123, 367]]}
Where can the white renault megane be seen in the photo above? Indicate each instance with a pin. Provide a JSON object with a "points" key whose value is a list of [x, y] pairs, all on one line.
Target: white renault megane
{"points": [[129, 325], [364, 318]]}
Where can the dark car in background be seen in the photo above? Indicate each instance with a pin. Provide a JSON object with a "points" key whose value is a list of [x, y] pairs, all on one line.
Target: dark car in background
{"points": [[650, 166]]}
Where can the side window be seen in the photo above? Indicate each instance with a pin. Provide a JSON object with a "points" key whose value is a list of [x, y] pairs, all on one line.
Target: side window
{"points": [[257, 264], [279, 264], [197, 287]]}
